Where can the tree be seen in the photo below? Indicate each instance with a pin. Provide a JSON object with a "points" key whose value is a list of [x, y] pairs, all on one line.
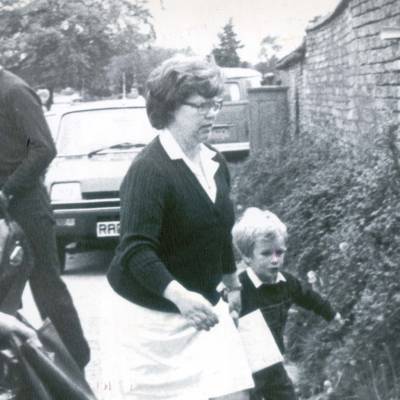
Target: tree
{"points": [[59, 43], [136, 66], [268, 54], [226, 54]]}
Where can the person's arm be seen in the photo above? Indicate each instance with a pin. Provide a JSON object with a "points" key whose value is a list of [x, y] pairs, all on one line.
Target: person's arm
{"points": [[304, 296], [233, 290], [228, 255], [3, 202], [143, 202], [144, 195], [27, 117], [230, 279]]}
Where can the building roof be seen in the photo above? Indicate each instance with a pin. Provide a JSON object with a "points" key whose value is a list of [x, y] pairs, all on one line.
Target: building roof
{"points": [[240, 72], [321, 21], [298, 54], [292, 58]]}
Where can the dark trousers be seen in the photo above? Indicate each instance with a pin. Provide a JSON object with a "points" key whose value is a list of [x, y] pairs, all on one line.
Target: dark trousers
{"points": [[34, 214], [273, 383]]}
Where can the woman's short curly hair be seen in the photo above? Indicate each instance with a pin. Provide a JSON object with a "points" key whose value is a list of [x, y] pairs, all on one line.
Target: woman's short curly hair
{"points": [[176, 79]]}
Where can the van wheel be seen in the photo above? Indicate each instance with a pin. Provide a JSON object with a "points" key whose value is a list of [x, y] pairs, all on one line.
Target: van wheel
{"points": [[61, 255]]}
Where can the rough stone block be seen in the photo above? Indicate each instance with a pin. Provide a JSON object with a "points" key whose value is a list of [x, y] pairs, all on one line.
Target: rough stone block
{"points": [[393, 65]]}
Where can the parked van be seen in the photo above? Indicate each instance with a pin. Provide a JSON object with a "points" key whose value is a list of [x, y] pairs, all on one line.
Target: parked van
{"points": [[230, 134]]}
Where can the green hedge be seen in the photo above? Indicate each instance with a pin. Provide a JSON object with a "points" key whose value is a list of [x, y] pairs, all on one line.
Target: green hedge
{"points": [[341, 202]]}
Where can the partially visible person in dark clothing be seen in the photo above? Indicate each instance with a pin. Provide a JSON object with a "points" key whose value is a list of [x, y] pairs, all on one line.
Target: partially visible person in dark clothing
{"points": [[26, 150], [260, 236]]}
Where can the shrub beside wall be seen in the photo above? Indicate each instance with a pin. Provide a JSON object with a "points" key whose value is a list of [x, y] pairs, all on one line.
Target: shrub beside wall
{"points": [[341, 202]]}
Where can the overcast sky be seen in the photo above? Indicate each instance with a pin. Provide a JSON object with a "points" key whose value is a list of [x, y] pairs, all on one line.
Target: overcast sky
{"points": [[196, 23]]}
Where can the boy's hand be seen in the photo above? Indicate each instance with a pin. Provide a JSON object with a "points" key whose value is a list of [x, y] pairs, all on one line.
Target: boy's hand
{"points": [[338, 321], [3, 200]]}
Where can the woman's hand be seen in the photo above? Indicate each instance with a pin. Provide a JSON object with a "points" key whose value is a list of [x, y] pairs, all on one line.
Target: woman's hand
{"points": [[338, 322], [235, 305], [197, 310], [193, 306]]}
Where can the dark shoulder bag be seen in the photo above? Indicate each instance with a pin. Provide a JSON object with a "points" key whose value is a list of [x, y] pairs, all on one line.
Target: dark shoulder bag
{"points": [[49, 371], [16, 262]]}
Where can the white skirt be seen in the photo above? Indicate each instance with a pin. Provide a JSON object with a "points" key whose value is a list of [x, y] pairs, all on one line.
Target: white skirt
{"points": [[166, 359]]}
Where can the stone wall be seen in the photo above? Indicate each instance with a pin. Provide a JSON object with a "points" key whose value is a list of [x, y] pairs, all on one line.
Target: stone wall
{"points": [[268, 116], [346, 79], [293, 80]]}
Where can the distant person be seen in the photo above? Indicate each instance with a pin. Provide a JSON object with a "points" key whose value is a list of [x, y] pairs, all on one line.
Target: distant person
{"points": [[176, 247], [260, 236], [46, 98], [26, 151], [135, 95], [268, 79]]}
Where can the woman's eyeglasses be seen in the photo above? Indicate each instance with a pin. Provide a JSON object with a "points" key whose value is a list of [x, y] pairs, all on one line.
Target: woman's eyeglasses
{"points": [[206, 106]]}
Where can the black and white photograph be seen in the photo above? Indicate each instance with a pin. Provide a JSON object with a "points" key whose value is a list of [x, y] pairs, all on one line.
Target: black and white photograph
{"points": [[199, 200]]}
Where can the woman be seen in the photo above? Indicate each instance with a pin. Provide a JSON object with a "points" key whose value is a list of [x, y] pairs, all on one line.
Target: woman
{"points": [[175, 248]]}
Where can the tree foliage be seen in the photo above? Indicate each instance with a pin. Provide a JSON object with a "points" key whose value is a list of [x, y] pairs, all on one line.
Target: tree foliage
{"points": [[269, 48], [226, 54], [136, 66], [61, 43]]}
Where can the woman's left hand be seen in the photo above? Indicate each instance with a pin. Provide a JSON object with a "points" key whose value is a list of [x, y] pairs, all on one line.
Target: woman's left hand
{"points": [[233, 292], [235, 305]]}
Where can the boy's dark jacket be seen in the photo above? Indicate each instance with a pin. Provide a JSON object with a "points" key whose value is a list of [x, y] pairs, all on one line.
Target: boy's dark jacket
{"points": [[275, 300]]}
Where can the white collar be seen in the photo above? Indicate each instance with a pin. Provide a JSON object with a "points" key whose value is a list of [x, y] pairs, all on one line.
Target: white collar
{"points": [[257, 282], [175, 152]]}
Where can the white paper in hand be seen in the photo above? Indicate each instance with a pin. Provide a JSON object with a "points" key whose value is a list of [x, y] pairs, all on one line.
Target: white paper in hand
{"points": [[258, 341]]}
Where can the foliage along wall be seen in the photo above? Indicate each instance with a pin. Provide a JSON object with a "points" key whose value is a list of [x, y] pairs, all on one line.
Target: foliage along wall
{"points": [[337, 186], [340, 202]]}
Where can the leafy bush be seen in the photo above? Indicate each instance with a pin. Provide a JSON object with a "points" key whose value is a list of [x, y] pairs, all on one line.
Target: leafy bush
{"points": [[341, 203]]}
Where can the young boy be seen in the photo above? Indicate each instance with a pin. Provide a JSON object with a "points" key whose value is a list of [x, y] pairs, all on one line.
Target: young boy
{"points": [[260, 236]]}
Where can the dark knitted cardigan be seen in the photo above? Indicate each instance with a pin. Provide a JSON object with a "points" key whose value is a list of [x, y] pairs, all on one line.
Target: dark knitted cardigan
{"points": [[275, 300], [170, 229]]}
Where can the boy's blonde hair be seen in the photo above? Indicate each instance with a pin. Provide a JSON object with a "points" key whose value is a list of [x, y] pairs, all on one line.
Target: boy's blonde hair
{"points": [[253, 224]]}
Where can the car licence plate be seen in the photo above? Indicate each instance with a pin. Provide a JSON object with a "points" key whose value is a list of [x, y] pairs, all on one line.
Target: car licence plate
{"points": [[107, 229], [220, 134]]}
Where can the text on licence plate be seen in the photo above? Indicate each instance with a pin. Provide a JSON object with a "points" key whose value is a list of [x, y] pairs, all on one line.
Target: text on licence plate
{"points": [[107, 229]]}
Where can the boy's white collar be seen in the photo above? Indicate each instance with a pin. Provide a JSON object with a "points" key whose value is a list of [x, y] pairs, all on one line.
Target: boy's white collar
{"points": [[257, 282]]}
